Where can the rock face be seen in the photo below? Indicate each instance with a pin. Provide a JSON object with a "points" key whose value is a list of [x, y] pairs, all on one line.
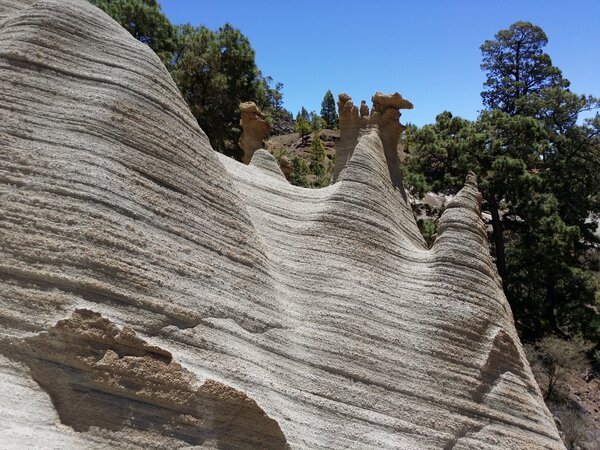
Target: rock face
{"points": [[254, 130], [156, 294], [384, 118], [98, 375]]}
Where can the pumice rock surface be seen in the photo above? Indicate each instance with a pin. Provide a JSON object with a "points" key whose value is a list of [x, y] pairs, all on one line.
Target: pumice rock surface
{"points": [[156, 294]]}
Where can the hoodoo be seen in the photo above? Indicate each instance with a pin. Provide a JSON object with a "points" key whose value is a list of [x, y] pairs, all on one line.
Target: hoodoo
{"points": [[254, 129]]}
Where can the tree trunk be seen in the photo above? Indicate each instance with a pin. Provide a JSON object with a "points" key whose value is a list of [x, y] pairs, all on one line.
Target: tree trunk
{"points": [[518, 91], [550, 307], [498, 236]]}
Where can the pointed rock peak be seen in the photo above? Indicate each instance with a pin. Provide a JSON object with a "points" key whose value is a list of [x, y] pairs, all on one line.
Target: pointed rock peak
{"points": [[461, 233], [385, 116], [464, 208], [469, 196], [267, 162], [471, 179], [348, 113], [364, 109], [351, 125], [255, 129]]}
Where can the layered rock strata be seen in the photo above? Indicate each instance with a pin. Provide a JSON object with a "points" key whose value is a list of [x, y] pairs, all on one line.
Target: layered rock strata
{"points": [[100, 376], [156, 294]]}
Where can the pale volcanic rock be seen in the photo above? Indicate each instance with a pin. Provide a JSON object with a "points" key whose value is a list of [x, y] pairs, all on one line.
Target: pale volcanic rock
{"points": [[382, 102], [98, 375], [254, 129], [267, 162], [156, 294], [351, 125]]}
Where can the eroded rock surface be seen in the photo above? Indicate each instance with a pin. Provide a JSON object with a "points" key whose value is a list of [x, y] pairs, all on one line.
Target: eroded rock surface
{"points": [[254, 129], [136, 264], [98, 375], [383, 118]]}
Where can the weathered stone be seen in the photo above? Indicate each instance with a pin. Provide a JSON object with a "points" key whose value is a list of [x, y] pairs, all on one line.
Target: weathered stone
{"points": [[364, 109], [157, 294], [267, 162], [254, 129], [384, 118], [98, 375], [351, 125]]}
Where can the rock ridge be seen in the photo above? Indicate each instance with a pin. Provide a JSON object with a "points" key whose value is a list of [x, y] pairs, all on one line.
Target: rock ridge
{"points": [[137, 264]]}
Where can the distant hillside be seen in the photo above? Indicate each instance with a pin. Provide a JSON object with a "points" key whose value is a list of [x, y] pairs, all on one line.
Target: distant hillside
{"points": [[295, 146]]}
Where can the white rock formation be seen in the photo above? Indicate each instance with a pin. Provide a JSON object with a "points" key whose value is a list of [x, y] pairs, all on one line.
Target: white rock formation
{"points": [[156, 294]]}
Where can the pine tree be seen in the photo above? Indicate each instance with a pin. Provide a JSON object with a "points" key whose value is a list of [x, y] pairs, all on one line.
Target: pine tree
{"points": [[516, 65], [302, 128], [215, 72], [299, 172], [329, 112], [539, 174], [317, 156], [303, 114], [145, 21], [316, 122]]}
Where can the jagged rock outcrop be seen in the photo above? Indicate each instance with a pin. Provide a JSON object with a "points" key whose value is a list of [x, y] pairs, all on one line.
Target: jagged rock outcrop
{"points": [[384, 118], [254, 130], [364, 109], [144, 274]]}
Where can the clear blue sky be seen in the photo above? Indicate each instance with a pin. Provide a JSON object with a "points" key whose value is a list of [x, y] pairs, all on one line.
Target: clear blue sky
{"points": [[426, 50]]}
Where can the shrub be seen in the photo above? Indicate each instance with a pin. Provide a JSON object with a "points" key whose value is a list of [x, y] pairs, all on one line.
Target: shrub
{"points": [[428, 229], [575, 428], [552, 357], [302, 128], [299, 172]]}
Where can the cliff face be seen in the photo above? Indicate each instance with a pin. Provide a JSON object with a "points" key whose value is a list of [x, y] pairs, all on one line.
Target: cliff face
{"points": [[154, 293]]}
